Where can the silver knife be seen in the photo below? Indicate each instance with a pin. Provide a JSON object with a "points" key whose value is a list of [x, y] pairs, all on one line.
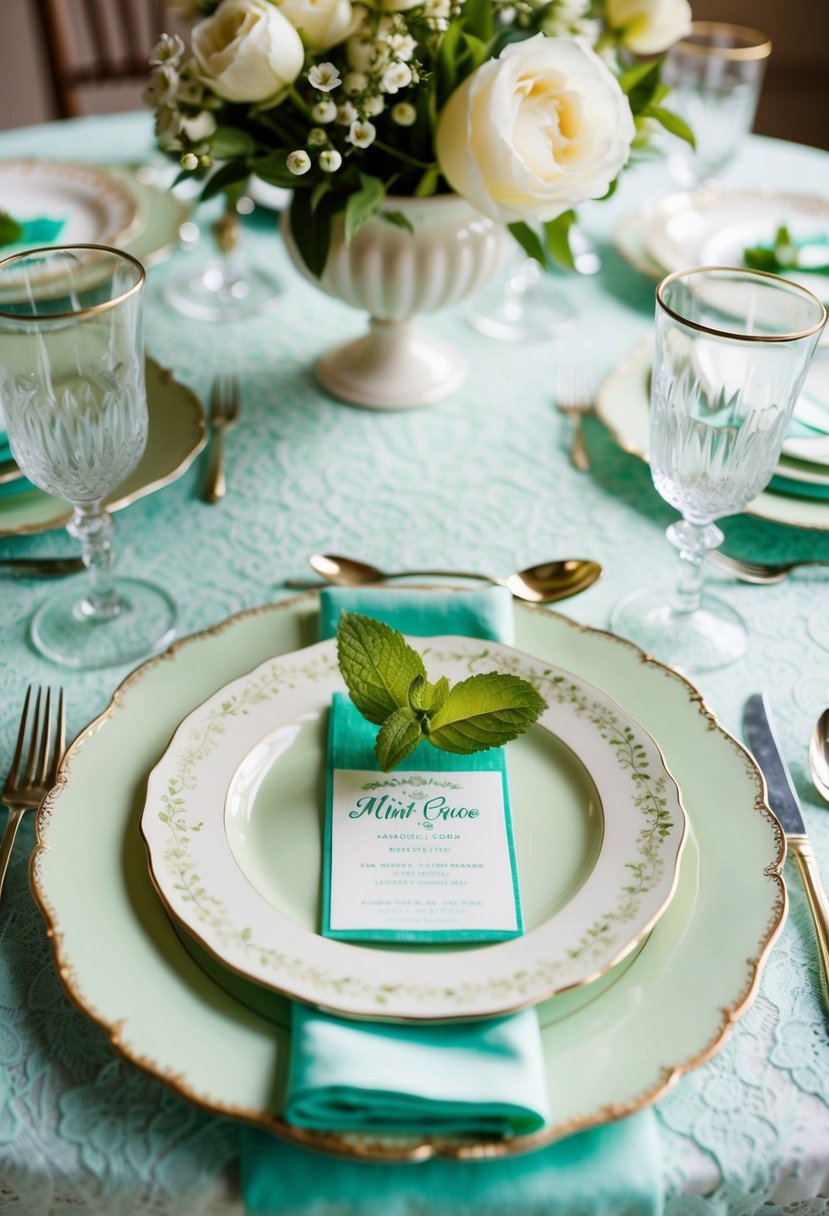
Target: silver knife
{"points": [[758, 727]]}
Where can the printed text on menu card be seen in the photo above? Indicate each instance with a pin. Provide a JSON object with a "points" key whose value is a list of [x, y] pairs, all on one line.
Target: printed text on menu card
{"points": [[420, 857]]}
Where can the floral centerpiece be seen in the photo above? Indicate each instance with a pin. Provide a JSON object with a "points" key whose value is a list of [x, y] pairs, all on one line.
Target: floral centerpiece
{"points": [[523, 108]]}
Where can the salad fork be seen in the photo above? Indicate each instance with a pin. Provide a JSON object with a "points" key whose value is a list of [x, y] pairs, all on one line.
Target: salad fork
{"points": [[25, 789], [574, 399], [224, 414], [762, 573]]}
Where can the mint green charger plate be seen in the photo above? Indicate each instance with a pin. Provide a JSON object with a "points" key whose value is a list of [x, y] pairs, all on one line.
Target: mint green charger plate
{"points": [[610, 1048]]}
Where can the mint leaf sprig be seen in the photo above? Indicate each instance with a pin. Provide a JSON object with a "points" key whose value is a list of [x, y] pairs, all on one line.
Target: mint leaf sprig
{"points": [[11, 232], [388, 683]]}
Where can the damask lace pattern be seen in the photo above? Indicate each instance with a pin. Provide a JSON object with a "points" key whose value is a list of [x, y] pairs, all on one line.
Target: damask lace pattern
{"points": [[83, 1131]]}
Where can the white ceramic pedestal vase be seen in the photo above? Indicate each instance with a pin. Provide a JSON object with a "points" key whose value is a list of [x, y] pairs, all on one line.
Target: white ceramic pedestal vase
{"points": [[395, 275]]}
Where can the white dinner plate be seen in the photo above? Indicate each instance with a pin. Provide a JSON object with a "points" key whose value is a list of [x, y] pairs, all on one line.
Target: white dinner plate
{"points": [[245, 879]]}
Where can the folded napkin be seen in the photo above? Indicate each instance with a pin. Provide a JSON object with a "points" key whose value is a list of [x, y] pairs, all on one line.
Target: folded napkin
{"points": [[439, 1077], [800, 489]]}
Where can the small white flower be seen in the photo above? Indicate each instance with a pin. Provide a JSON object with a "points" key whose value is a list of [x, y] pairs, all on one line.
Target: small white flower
{"points": [[324, 111], [355, 82], [361, 52], [167, 122], [317, 138], [298, 162], [190, 88], [346, 114], [361, 134], [506, 16], [374, 105], [198, 126], [163, 86], [324, 76], [438, 10], [189, 161], [396, 77], [330, 160], [403, 45], [404, 114], [169, 49]]}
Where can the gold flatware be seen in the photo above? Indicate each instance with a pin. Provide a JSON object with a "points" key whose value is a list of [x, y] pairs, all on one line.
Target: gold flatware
{"points": [[819, 755], [761, 573], [25, 789], [542, 584], [42, 567], [574, 399], [224, 414]]}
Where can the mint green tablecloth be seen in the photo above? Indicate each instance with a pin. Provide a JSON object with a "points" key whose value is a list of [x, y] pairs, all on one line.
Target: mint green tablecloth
{"points": [[480, 481]]}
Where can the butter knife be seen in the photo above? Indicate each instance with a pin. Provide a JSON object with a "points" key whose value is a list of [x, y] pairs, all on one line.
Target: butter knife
{"points": [[758, 727]]}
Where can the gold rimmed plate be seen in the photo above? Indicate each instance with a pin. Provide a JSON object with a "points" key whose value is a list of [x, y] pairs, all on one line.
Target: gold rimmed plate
{"points": [[176, 435], [232, 824], [610, 1048]]}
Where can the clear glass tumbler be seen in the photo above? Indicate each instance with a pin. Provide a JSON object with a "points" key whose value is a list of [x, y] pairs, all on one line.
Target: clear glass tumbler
{"points": [[72, 387], [732, 350], [715, 75]]}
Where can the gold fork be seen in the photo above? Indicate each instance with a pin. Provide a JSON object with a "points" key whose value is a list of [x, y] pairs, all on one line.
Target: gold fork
{"points": [[224, 414], [24, 791], [574, 399]]}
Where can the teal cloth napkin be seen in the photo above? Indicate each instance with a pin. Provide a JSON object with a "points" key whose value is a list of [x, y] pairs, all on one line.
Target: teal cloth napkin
{"points": [[801, 489], [612, 1169]]}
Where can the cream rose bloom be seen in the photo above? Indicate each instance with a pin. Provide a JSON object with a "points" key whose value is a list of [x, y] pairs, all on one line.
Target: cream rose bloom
{"points": [[324, 23], [536, 131], [247, 51], [647, 27]]}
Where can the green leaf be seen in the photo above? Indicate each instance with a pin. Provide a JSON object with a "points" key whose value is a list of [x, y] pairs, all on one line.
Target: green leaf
{"points": [[399, 219], [227, 143], [671, 122], [363, 205], [274, 170], [446, 64], [311, 227], [377, 664], [557, 236], [319, 192], [425, 697], [641, 83], [428, 183], [478, 19], [397, 738], [478, 50], [485, 711], [232, 171], [530, 241], [10, 230]]}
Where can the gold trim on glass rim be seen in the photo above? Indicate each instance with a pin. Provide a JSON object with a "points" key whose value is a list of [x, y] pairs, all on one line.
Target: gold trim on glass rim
{"points": [[743, 272], [758, 44], [92, 309], [363, 1148]]}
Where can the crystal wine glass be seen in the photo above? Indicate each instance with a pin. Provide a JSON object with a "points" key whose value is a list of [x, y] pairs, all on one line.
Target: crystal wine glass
{"points": [[715, 75], [72, 387], [732, 350]]}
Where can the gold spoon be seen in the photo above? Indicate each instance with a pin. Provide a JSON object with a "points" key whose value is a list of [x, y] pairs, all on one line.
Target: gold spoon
{"points": [[819, 755], [542, 584]]}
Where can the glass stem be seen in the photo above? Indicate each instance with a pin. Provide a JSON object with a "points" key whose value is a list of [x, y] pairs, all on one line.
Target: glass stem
{"points": [[92, 526], [693, 540]]}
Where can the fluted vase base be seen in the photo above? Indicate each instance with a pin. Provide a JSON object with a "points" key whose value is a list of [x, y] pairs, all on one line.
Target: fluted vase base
{"points": [[395, 366]]}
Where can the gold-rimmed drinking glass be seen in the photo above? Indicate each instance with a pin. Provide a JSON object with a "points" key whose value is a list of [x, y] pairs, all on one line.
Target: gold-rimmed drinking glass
{"points": [[732, 350], [72, 388], [715, 75]]}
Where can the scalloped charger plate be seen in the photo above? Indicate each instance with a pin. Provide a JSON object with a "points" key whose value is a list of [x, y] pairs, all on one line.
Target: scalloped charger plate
{"points": [[233, 818], [610, 1048]]}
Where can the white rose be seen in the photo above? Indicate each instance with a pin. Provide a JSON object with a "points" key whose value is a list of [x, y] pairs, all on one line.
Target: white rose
{"points": [[324, 23], [247, 51], [647, 27], [536, 131]]}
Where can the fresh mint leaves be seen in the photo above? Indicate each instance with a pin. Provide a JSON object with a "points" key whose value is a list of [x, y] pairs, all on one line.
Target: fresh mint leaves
{"points": [[10, 230], [388, 683]]}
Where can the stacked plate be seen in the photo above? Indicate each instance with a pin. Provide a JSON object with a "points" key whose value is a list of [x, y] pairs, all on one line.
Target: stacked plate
{"points": [[59, 202], [641, 837], [716, 227], [798, 494]]}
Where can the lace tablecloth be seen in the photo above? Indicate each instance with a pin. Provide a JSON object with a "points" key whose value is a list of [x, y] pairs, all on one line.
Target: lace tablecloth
{"points": [[481, 481]]}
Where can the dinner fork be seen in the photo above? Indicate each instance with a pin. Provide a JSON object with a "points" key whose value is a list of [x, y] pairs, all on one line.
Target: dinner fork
{"points": [[25, 789], [224, 414], [574, 399], [762, 573]]}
